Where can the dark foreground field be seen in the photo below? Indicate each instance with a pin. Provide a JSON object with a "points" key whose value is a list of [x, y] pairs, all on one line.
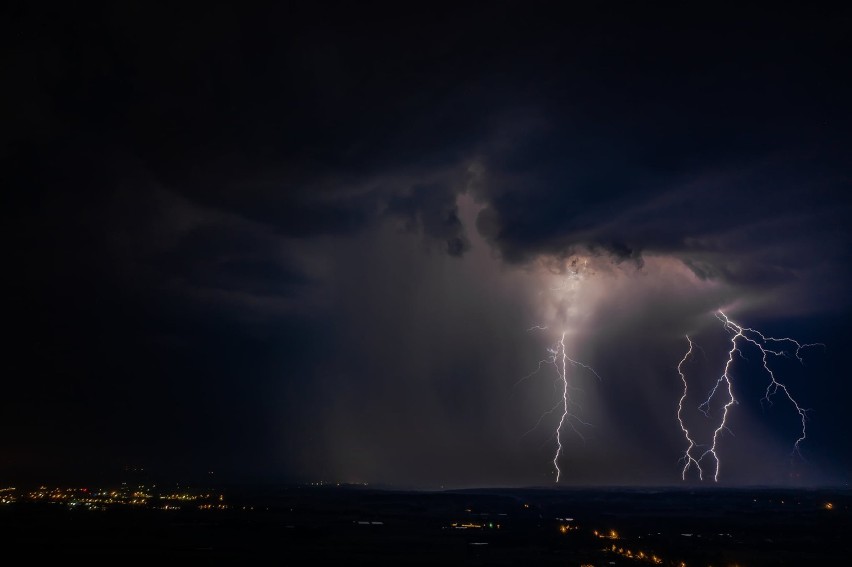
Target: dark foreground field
{"points": [[348, 525]]}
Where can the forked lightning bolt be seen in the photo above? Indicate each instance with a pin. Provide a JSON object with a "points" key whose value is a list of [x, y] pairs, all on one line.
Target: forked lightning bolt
{"points": [[560, 360], [687, 457], [739, 334]]}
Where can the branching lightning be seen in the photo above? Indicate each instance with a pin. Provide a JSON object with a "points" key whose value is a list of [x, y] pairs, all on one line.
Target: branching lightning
{"points": [[687, 457], [723, 387], [558, 357]]}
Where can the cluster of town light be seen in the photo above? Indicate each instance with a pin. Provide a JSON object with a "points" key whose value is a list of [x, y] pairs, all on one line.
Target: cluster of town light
{"points": [[100, 499]]}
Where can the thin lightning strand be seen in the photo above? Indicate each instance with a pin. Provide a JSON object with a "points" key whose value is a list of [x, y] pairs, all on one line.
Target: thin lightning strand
{"points": [[564, 376], [541, 418], [687, 457], [760, 341], [731, 401]]}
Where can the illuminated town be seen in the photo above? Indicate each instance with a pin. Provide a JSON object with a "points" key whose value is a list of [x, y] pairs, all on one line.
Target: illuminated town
{"points": [[125, 495]]}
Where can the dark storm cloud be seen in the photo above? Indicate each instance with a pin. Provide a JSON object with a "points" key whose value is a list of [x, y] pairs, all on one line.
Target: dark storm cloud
{"points": [[432, 210], [771, 226], [713, 142], [238, 200]]}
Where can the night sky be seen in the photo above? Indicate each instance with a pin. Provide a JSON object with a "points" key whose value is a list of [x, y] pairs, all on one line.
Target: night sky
{"points": [[319, 241]]}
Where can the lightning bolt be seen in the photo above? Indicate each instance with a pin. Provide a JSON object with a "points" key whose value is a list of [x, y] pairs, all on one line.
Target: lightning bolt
{"points": [[766, 346], [687, 457], [730, 401], [561, 361]]}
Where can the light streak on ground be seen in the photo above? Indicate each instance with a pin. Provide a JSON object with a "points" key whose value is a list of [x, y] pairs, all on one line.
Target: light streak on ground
{"points": [[766, 346]]}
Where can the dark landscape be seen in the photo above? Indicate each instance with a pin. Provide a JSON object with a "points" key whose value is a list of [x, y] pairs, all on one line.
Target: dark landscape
{"points": [[362, 525]]}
